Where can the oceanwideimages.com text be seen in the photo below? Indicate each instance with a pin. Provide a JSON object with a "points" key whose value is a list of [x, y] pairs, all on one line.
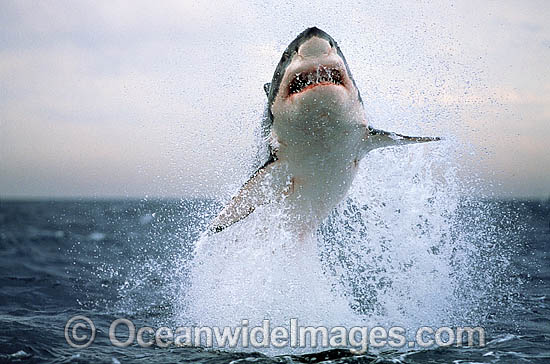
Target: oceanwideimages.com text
{"points": [[80, 332]]}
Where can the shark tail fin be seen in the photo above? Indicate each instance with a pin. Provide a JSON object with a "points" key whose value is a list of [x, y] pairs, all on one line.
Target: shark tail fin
{"points": [[377, 138]]}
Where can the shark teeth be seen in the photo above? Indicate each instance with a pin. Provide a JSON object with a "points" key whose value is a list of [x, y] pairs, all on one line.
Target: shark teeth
{"points": [[320, 75]]}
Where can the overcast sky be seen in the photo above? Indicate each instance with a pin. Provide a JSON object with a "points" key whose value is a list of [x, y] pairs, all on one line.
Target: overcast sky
{"points": [[161, 98]]}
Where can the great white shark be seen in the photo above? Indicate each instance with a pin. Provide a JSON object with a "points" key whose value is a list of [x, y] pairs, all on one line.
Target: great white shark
{"points": [[316, 132]]}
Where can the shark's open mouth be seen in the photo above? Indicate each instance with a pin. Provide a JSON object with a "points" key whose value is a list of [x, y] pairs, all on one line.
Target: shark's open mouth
{"points": [[318, 76]]}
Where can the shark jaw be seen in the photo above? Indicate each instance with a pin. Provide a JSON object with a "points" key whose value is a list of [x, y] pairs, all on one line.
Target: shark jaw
{"points": [[320, 76], [316, 72], [317, 100]]}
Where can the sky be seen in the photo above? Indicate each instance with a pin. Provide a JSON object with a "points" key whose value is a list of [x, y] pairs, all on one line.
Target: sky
{"points": [[161, 99]]}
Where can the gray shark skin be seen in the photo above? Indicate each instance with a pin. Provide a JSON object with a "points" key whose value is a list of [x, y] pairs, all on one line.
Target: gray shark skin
{"points": [[316, 132]]}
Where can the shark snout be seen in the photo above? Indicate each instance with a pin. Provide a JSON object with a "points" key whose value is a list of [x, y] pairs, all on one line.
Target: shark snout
{"points": [[315, 47]]}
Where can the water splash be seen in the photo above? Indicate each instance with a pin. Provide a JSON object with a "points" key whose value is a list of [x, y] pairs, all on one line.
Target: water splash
{"points": [[396, 252], [389, 243], [257, 270]]}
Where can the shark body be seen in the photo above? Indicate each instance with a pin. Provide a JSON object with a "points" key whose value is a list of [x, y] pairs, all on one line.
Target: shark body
{"points": [[316, 132]]}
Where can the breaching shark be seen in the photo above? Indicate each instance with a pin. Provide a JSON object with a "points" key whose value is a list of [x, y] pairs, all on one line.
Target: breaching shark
{"points": [[315, 131]]}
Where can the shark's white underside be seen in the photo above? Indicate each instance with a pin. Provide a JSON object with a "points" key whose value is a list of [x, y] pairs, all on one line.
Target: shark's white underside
{"points": [[320, 138]]}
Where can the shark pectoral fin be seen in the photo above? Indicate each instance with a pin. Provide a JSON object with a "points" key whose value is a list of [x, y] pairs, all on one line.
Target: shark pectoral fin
{"points": [[260, 189], [381, 139]]}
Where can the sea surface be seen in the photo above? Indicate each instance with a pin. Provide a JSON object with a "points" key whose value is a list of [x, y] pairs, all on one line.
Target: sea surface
{"points": [[133, 259]]}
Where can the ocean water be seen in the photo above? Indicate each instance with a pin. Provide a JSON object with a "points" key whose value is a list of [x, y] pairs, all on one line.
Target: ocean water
{"points": [[470, 263]]}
